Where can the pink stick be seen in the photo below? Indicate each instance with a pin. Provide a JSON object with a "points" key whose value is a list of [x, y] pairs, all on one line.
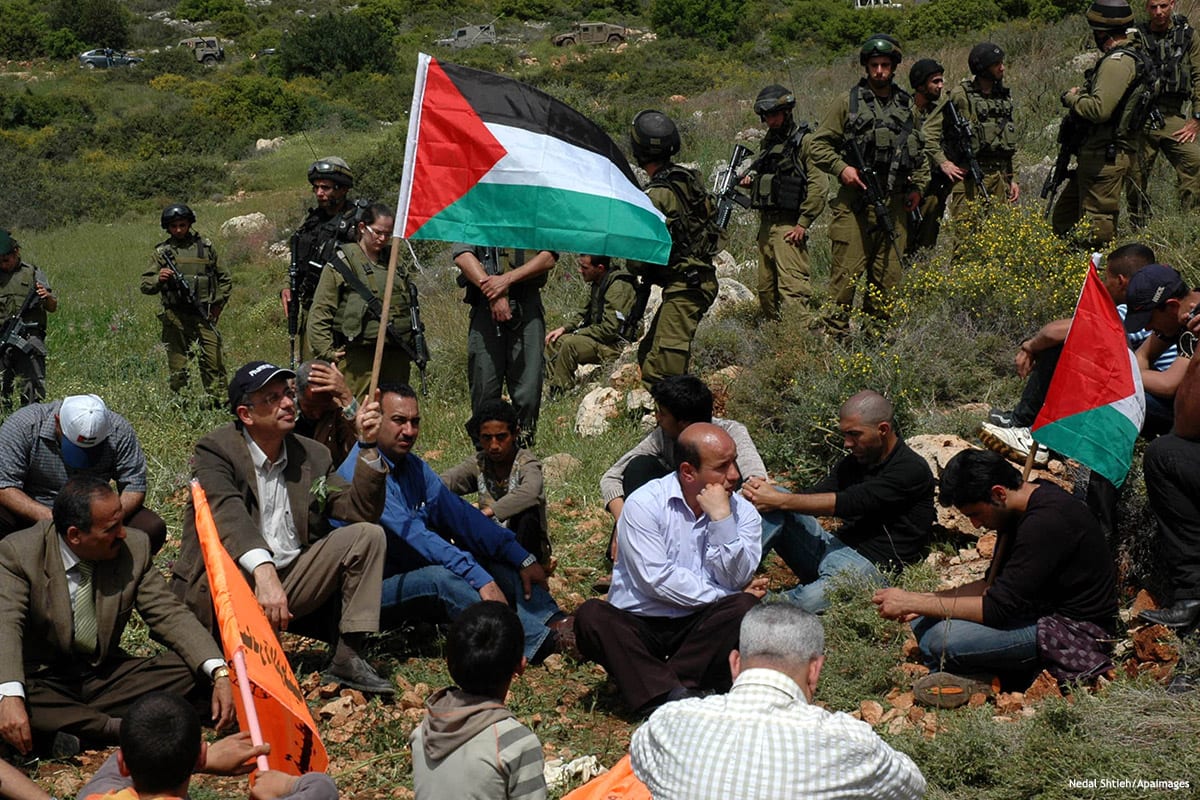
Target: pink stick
{"points": [[239, 666]]}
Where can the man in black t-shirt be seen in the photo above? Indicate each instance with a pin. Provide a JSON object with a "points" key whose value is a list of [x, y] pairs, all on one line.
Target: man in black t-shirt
{"points": [[882, 491]]}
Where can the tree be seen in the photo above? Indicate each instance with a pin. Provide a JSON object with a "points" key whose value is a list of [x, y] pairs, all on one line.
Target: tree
{"points": [[718, 22], [100, 23], [335, 44]]}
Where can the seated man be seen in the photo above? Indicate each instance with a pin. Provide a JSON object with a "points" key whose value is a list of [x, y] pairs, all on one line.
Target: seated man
{"points": [[593, 334], [688, 546], [161, 748], [882, 491], [273, 495], [1161, 302], [1007, 432], [326, 408], [44, 444], [508, 479], [70, 586], [484, 561], [680, 400], [716, 748], [1051, 563]]}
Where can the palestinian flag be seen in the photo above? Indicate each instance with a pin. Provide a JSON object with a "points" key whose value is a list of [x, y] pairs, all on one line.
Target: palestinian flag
{"points": [[1095, 406], [491, 161]]}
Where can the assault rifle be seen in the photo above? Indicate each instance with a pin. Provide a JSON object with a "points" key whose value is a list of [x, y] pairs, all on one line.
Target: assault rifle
{"points": [[727, 187], [14, 336], [960, 136], [629, 326], [1070, 132], [293, 305], [875, 196], [420, 349], [203, 310]]}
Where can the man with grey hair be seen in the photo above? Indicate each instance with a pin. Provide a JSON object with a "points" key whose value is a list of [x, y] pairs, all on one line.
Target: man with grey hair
{"points": [[765, 739], [882, 491], [327, 408]]}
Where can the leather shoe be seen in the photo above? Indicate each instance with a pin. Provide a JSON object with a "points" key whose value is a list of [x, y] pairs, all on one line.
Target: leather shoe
{"points": [[1183, 614], [563, 631], [64, 745], [357, 674]]}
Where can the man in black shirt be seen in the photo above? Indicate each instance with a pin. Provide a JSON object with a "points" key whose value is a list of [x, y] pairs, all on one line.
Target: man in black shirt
{"points": [[882, 491]]}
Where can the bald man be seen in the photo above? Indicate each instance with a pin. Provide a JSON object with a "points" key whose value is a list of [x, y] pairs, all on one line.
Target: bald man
{"points": [[688, 546], [883, 493]]}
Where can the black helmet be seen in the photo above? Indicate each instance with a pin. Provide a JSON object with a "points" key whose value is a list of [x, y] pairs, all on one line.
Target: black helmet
{"points": [[1109, 15], [653, 136], [774, 98], [984, 55], [880, 44], [332, 168], [177, 211], [922, 71]]}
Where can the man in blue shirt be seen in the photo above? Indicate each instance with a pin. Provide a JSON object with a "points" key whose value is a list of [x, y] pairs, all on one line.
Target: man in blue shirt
{"points": [[484, 562]]}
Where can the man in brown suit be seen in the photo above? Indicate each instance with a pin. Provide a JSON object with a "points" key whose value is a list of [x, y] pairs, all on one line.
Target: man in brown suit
{"points": [[272, 495], [67, 589]]}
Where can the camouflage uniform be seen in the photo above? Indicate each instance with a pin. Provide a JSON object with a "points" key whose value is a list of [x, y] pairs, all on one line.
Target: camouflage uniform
{"points": [[934, 194], [340, 320], [1176, 53], [789, 190], [184, 327], [24, 364], [313, 245], [890, 138], [592, 336], [993, 138]]}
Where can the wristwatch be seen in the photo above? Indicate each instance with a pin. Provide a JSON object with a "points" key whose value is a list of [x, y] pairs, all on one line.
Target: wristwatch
{"points": [[220, 672], [367, 445], [529, 561]]}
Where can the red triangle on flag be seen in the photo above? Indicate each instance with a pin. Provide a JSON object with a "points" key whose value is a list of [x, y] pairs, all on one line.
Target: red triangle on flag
{"points": [[454, 149]]}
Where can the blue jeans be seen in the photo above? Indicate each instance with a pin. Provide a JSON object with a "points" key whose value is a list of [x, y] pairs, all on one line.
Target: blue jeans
{"points": [[454, 595], [814, 554], [956, 645]]}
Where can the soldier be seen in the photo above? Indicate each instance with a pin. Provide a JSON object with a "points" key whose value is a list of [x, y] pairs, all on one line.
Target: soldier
{"points": [[508, 326], [593, 334], [688, 279], [25, 294], [333, 220], [875, 118], [986, 103], [789, 191], [1173, 46], [194, 289], [1112, 135], [927, 80], [343, 326]]}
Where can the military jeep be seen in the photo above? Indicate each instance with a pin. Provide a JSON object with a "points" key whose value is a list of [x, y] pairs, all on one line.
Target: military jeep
{"points": [[591, 33], [206, 49]]}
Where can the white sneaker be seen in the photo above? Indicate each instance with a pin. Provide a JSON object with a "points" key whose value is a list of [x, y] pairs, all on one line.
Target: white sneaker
{"points": [[1013, 443]]}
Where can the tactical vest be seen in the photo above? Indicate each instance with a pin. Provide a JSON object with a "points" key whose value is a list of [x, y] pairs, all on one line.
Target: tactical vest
{"points": [[15, 286], [781, 183], [694, 235], [1129, 118], [497, 261], [595, 309], [884, 132], [993, 134], [1169, 52], [352, 322], [314, 242], [195, 262]]}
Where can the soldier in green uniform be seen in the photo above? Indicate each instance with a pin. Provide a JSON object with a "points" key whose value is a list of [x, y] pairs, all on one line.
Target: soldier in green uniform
{"points": [[343, 322], [185, 274], [1112, 135], [593, 334], [508, 326], [333, 221], [24, 290], [789, 192], [1175, 49], [986, 103], [876, 117], [929, 108], [688, 279]]}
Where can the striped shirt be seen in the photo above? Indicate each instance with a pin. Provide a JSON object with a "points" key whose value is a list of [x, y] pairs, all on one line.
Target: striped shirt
{"points": [[764, 741]]}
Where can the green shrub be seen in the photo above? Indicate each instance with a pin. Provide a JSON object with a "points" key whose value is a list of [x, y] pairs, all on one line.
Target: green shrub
{"points": [[717, 23], [943, 18], [97, 23], [29, 110], [24, 30], [170, 61], [206, 9], [335, 44]]}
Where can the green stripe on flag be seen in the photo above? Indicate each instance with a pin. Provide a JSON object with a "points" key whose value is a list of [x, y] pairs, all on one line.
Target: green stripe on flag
{"points": [[543, 218], [1100, 437]]}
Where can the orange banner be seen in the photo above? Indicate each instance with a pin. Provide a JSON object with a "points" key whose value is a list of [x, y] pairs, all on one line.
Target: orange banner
{"points": [[283, 715]]}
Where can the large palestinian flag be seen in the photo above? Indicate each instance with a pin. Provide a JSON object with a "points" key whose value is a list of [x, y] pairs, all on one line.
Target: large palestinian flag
{"points": [[1094, 407], [491, 161]]}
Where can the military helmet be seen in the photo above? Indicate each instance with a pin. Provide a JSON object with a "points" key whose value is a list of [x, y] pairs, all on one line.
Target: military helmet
{"points": [[653, 136], [177, 211], [774, 98], [332, 168], [922, 71], [1110, 15], [7, 243], [984, 55], [880, 44]]}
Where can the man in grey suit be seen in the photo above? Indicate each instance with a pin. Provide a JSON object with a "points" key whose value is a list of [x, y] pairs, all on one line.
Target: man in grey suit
{"points": [[67, 589], [272, 495]]}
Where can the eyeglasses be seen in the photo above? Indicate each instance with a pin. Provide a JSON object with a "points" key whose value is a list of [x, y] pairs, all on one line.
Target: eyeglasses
{"points": [[377, 233], [275, 398]]}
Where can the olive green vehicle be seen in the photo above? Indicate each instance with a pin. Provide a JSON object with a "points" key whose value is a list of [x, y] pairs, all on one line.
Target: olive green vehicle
{"points": [[591, 33]]}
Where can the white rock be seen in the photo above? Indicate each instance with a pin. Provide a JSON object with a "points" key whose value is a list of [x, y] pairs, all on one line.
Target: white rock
{"points": [[597, 410], [249, 223], [558, 467], [730, 292], [268, 145], [726, 265]]}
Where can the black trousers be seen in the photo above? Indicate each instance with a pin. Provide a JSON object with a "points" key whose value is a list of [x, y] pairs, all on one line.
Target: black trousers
{"points": [[1172, 467]]}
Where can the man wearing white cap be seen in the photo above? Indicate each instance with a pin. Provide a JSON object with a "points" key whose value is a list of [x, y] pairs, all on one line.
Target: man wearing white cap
{"points": [[44, 445]]}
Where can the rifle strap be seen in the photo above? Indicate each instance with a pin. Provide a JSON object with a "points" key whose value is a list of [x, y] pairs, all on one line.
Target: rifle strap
{"points": [[374, 304]]}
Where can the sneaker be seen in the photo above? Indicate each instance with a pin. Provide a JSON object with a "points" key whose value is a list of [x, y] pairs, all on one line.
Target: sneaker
{"points": [[1000, 418], [946, 690], [1013, 443]]}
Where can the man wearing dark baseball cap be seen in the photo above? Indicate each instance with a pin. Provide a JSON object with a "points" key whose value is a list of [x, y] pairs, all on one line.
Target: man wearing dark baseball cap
{"points": [[1159, 300], [273, 493]]}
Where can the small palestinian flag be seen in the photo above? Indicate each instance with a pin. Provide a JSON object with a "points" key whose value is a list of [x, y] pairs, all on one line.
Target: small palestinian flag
{"points": [[491, 161], [1095, 406]]}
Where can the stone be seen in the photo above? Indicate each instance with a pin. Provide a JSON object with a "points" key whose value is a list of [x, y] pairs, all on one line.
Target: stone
{"points": [[731, 293], [558, 467], [625, 377], [248, 223], [871, 711], [986, 545], [268, 145], [585, 373], [1043, 686], [597, 411], [638, 401], [1143, 602], [1149, 644], [727, 266]]}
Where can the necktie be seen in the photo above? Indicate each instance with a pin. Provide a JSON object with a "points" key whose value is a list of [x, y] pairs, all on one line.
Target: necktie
{"points": [[84, 608]]}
